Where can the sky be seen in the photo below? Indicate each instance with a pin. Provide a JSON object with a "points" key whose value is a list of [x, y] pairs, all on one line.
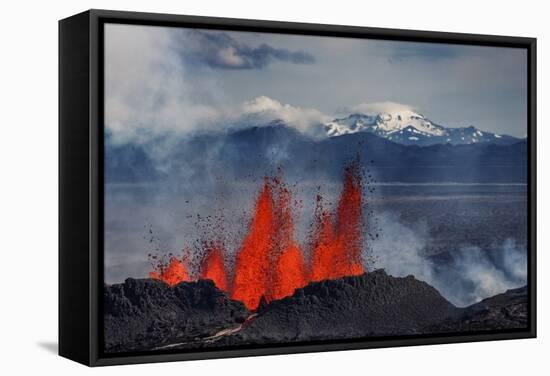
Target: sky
{"points": [[163, 81]]}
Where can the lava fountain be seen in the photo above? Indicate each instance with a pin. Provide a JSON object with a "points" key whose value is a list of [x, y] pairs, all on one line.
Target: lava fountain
{"points": [[252, 268], [287, 272], [172, 272], [270, 264], [338, 242], [213, 268]]}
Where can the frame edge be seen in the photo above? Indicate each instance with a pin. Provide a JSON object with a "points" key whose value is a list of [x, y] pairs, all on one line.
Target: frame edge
{"points": [[94, 17], [74, 277]]}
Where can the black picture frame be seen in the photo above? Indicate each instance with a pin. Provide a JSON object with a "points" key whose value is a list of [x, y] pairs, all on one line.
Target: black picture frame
{"points": [[81, 182]]}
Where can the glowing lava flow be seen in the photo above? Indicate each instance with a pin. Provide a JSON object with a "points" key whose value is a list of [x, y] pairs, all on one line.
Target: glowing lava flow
{"points": [[347, 238], [213, 267], [322, 258], [252, 267], [172, 273], [288, 267], [288, 273], [337, 243], [269, 263]]}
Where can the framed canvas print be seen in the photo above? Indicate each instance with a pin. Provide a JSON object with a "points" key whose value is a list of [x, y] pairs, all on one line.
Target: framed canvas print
{"points": [[237, 187]]}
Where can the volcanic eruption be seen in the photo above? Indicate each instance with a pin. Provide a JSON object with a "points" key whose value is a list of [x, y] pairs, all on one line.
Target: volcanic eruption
{"points": [[213, 267], [172, 272], [270, 264], [338, 239]]}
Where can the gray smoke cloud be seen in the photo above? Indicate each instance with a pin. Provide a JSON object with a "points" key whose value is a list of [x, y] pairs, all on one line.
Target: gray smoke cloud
{"points": [[220, 51], [470, 273]]}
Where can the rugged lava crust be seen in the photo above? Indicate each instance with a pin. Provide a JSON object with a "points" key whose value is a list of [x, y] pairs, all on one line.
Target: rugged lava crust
{"points": [[148, 314]]}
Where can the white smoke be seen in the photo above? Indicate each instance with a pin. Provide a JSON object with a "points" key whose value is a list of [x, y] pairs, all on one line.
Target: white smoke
{"points": [[151, 94], [471, 275]]}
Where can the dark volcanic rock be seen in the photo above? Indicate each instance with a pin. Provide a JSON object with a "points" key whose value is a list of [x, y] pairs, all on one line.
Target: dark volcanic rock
{"points": [[372, 304], [144, 314], [503, 311], [147, 314]]}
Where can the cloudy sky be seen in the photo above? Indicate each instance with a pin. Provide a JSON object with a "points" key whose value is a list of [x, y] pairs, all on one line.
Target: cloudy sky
{"points": [[168, 80]]}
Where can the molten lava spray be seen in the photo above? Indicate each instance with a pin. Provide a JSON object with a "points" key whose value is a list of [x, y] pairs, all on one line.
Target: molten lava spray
{"points": [[348, 225], [322, 258], [288, 268], [270, 264], [213, 268], [288, 273], [253, 260], [172, 273], [337, 246]]}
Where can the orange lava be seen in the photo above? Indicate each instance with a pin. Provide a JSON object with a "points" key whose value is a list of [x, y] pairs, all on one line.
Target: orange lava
{"points": [[337, 245], [172, 273], [288, 268], [288, 274], [348, 240], [323, 250], [253, 260], [270, 263], [213, 268]]}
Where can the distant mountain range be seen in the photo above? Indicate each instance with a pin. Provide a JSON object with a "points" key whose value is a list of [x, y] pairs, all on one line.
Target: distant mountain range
{"points": [[256, 151], [410, 128]]}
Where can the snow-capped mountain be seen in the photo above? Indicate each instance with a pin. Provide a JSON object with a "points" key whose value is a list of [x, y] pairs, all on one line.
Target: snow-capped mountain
{"points": [[240, 154], [411, 128]]}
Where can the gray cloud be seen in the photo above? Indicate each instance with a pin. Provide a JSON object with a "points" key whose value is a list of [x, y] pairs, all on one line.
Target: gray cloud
{"points": [[162, 80], [405, 51], [221, 51]]}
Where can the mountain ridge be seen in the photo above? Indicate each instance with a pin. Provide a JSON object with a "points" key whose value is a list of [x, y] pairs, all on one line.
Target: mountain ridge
{"points": [[239, 153], [411, 128]]}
